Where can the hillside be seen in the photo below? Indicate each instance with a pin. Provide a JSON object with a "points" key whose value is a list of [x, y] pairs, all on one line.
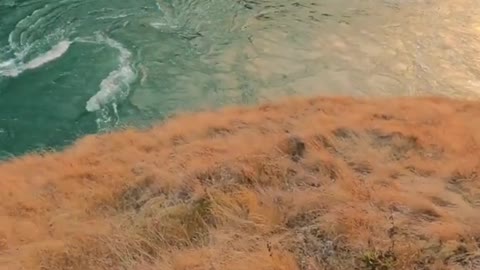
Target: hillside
{"points": [[323, 183]]}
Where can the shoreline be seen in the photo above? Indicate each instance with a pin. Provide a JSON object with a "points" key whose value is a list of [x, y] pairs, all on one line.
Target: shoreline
{"points": [[303, 183]]}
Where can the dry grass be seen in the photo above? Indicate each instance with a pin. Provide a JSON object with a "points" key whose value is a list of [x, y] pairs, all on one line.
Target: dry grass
{"points": [[325, 183]]}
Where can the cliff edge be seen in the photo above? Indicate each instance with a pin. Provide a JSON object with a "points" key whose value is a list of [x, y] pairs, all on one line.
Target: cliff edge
{"points": [[322, 183]]}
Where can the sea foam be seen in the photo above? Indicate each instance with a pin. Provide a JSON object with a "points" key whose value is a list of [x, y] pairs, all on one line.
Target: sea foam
{"points": [[117, 84], [14, 67]]}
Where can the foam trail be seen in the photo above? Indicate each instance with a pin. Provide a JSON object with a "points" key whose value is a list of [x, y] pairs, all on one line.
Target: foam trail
{"points": [[13, 68], [56, 52], [7, 63], [117, 83], [9, 68]]}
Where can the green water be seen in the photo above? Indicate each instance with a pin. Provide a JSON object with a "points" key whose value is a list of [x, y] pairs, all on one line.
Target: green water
{"points": [[75, 67], [55, 56]]}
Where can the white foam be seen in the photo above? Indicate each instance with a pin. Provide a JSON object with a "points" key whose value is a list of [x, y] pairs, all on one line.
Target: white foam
{"points": [[117, 83], [14, 67], [7, 63], [17, 37], [28, 48], [110, 17], [9, 68], [57, 51]]}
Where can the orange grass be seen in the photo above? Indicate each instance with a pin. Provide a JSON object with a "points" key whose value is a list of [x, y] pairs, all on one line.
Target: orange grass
{"points": [[322, 183]]}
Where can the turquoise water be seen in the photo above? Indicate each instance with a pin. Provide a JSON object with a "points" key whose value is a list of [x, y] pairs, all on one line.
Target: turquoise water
{"points": [[68, 67], [74, 67]]}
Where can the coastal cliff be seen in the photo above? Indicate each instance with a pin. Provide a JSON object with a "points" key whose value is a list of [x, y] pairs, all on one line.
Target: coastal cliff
{"points": [[321, 183]]}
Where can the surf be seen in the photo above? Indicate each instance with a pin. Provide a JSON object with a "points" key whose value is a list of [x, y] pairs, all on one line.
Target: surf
{"points": [[14, 67], [117, 84]]}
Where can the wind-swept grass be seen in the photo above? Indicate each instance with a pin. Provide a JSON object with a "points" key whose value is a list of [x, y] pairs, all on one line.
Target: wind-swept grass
{"points": [[323, 183]]}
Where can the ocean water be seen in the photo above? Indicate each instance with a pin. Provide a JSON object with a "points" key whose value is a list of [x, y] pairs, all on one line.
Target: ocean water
{"points": [[75, 67]]}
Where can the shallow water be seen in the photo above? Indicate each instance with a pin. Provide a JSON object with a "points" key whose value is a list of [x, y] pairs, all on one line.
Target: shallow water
{"points": [[72, 67]]}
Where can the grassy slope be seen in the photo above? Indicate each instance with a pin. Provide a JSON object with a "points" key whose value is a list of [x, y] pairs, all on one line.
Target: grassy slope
{"points": [[304, 184]]}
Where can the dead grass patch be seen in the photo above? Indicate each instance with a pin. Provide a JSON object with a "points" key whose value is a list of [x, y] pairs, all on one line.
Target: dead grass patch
{"points": [[322, 183]]}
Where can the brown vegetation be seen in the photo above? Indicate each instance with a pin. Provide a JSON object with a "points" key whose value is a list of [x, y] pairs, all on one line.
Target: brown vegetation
{"points": [[325, 183]]}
